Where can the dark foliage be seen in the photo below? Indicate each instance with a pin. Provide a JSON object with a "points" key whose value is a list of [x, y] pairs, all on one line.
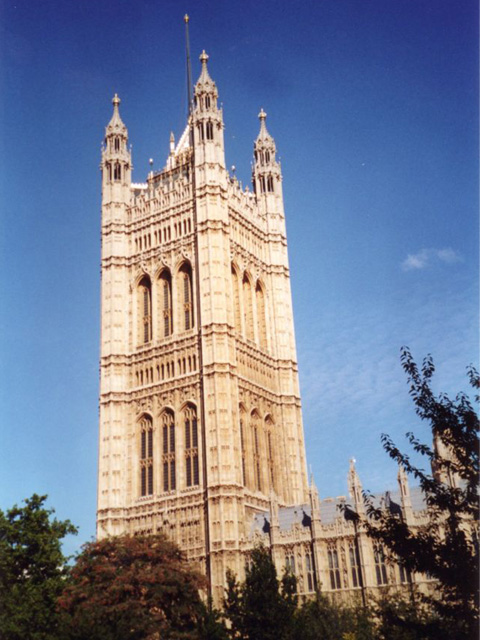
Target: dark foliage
{"points": [[261, 608], [446, 550], [32, 570], [322, 619], [132, 588]]}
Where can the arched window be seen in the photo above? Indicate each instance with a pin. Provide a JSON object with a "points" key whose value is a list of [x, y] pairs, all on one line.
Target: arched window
{"points": [[236, 301], [201, 131], [354, 564], [186, 293], [117, 143], [191, 446], [270, 452], [209, 128], [290, 562], [309, 571], [380, 567], [117, 172], [256, 451], [262, 325], [168, 451], [207, 102], [334, 568], [146, 456], [145, 310], [248, 307], [242, 446], [165, 295], [270, 184], [262, 184]]}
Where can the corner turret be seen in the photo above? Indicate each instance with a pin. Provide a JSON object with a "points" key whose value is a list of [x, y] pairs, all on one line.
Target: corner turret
{"points": [[116, 163], [355, 488], [207, 120], [266, 173]]}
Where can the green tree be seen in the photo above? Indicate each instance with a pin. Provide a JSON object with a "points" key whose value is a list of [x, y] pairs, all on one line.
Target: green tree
{"points": [[261, 608], [210, 624], [323, 619], [447, 548], [32, 570], [131, 587]]}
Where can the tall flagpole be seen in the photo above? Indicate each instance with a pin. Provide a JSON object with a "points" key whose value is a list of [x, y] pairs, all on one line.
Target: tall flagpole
{"points": [[186, 19], [203, 429]]}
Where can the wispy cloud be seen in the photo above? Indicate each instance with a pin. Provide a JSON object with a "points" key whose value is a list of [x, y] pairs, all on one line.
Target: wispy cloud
{"points": [[354, 388], [428, 257]]}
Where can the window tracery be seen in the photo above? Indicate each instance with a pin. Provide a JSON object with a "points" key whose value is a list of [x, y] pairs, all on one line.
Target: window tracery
{"points": [[354, 564], [334, 568], [261, 320], [191, 446], [248, 307], [165, 282], [146, 456], [145, 309], [168, 451], [256, 451], [187, 296], [380, 566]]}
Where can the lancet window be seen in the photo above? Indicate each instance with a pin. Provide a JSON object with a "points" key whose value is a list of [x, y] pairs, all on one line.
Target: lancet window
{"points": [[146, 456], [309, 572], [256, 452], [262, 325], [334, 568], [242, 445], [165, 293], [380, 566], [354, 564], [248, 307], [290, 563], [168, 451], [209, 130], [145, 310], [270, 453], [117, 172], [236, 301], [191, 446], [404, 574], [186, 293]]}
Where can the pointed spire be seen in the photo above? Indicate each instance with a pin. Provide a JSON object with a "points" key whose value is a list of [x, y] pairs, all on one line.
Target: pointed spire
{"points": [[116, 124], [204, 75], [355, 486], [263, 135], [172, 143], [314, 499]]}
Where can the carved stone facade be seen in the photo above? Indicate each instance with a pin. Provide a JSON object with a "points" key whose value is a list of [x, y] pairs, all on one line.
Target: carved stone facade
{"points": [[200, 419]]}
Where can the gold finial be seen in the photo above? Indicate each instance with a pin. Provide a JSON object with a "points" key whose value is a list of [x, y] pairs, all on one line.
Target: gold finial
{"points": [[204, 57], [115, 100], [262, 115], [186, 18]]}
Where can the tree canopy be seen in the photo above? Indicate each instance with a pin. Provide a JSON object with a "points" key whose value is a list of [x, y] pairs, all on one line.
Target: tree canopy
{"points": [[261, 606], [447, 549], [32, 570], [131, 587]]}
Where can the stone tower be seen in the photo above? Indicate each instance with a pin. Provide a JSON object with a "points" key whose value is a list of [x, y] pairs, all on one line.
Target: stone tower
{"points": [[200, 417]]}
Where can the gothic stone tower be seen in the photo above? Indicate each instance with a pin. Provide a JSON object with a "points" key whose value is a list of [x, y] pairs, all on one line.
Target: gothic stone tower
{"points": [[200, 417]]}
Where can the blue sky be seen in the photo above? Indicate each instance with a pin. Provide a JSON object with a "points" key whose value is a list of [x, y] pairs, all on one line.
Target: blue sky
{"points": [[373, 106]]}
